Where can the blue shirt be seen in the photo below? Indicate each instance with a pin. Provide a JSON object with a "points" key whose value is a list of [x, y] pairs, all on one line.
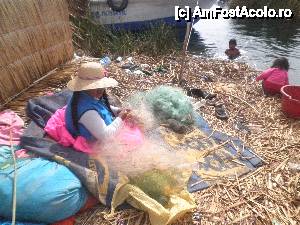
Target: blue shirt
{"points": [[85, 103]]}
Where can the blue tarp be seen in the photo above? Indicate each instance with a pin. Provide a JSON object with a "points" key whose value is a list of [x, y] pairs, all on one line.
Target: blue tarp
{"points": [[46, 191], [4, 222]]}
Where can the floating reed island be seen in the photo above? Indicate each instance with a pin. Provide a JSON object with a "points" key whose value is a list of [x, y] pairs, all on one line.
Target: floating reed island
{"points": [[33, 45], [270, 194]]}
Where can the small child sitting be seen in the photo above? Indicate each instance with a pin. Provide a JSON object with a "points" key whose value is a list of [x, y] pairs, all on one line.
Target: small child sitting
{"points": [[274, 78], [232, 52]]}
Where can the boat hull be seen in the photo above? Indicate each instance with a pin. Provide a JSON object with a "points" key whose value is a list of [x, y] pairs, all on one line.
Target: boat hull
{"points": [[142, 13]]}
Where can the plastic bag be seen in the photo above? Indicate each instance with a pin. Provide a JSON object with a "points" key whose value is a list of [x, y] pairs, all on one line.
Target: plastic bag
{"points": [[46, 191]]}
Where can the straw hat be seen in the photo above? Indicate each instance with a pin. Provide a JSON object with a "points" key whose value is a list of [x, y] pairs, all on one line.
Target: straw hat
{"points": [[91, 75]]}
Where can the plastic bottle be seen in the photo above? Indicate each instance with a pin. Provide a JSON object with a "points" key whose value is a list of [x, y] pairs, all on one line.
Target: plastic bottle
{"points": [[119, 59], [105, 61]]}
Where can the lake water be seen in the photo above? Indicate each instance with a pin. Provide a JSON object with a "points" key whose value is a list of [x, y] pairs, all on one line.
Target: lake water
{"points": [[260, 42]]}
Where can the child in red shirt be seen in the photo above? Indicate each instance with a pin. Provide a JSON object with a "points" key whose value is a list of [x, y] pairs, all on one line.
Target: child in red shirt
{"points": [[274, 78]]}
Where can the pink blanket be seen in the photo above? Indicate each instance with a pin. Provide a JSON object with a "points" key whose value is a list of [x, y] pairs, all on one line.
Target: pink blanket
{"points": [[56, 129], [11, 128]]}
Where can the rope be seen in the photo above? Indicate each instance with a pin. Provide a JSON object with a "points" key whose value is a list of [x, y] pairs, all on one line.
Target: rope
{"points": [[14, 205], [186, 44]]}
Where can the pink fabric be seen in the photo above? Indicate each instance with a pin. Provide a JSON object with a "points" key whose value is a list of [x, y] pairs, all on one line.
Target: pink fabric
{"points": [[10, 124], [129, 136], [22, 153], [56, 129], [274, 79]]}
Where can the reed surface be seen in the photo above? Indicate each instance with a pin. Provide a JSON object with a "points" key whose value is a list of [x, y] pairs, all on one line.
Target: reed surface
{"points": [[271, 194]]}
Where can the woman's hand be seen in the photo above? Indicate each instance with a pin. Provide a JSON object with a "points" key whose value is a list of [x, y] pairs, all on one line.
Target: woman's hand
{"points": [[118, 111], [124, 113], [130, 119]]}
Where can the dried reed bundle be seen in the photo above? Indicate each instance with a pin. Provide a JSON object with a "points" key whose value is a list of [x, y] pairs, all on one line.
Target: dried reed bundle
{"points": [[35, 37]]}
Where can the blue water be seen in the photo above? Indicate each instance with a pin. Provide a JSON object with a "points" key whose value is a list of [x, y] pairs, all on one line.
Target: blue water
{"points": [[259, 42]]}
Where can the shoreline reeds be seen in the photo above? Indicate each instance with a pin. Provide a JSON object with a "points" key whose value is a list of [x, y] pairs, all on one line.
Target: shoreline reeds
{"points": [[98, 40]]}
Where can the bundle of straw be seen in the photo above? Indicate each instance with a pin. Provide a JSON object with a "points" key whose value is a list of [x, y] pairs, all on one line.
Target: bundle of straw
{"points": [[35, 37]]}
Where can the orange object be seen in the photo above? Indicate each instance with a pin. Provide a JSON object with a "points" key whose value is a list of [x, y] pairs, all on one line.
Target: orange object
{"points": [[91, 202]]}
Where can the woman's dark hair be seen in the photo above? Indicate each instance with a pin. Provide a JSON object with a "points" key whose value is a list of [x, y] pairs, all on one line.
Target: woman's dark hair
{"points": [[106, 102], [281, 63], [232, 41], [74, 105]]}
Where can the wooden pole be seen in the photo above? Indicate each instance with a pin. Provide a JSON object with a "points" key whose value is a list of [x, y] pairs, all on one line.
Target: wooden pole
{"points": [[184, 49]]}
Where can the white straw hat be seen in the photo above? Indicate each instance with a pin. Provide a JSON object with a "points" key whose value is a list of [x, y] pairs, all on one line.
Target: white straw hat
{"points": [[91, 75]]}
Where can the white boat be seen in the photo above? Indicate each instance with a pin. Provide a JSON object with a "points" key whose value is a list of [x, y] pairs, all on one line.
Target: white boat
{"points": [[135, 14]]}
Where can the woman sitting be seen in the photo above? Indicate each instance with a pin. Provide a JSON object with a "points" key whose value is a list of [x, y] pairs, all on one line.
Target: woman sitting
{"points": [[89, 113], [88, 117]]}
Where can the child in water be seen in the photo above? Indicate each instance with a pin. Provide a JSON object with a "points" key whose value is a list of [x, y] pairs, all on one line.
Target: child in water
{"points": [[274, 78], [232, 52]]}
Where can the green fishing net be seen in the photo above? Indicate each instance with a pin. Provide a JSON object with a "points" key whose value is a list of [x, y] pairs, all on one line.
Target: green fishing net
{"points": [[167, 103], [159, 184], [170, 103]]}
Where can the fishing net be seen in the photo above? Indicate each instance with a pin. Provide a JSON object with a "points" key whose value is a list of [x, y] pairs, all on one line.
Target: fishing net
{"points": [[158, 170], [160, 184], [170, 103], [166, 103]]}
